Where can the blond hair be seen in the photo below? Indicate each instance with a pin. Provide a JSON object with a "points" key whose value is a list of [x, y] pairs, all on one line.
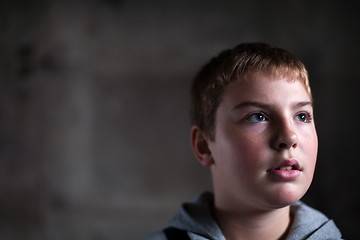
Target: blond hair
{"points": [[234, 64]]}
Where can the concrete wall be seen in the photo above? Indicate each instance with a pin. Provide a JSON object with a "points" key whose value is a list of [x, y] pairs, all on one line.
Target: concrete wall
{"points": [[94, 137]]}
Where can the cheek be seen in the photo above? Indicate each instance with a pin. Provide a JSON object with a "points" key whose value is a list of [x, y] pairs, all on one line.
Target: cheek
{"points": [[308, 139], [311, 142], [247, 154], [313, 155], [310, 151]]}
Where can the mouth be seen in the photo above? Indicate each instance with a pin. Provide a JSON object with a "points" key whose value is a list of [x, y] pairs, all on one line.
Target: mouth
{"points": [[290, 164], [286, 170]]}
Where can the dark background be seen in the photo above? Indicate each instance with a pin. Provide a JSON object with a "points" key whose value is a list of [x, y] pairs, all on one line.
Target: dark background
{"points": [[94, 137]]}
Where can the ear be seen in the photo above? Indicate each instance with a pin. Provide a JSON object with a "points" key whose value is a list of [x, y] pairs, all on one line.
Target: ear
{"points": [[199, 143]]}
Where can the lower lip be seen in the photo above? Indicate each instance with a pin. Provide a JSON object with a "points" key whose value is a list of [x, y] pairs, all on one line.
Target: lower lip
{"points": [[285, 174]]}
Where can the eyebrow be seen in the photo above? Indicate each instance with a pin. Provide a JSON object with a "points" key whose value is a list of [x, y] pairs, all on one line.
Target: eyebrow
{"points": [[303, 104], [264, 105], [250, 103]]}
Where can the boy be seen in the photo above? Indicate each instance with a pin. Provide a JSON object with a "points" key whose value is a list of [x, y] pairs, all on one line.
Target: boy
{"points": [[253, 126]]}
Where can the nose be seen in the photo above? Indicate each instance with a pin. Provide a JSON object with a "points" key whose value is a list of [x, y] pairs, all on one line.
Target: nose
{"points": [[285, 138]]}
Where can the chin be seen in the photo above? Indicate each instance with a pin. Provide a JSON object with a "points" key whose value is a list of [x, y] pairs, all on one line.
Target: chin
{"points": [[285, 196]]}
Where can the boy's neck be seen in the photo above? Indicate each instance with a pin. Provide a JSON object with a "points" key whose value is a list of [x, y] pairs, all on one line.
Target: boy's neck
{"points": [[273, 224]]}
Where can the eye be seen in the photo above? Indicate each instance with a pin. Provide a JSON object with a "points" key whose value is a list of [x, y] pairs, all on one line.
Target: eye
{"points": [[257, 117], [304, 117]]}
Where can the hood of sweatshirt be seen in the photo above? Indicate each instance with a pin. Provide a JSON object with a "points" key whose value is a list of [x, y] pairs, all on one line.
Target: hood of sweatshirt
{"points": [[308, 223]]}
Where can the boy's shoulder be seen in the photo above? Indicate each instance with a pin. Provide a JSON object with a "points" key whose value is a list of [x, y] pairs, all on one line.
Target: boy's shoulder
{"points": [[195, 219], [309, 223]]}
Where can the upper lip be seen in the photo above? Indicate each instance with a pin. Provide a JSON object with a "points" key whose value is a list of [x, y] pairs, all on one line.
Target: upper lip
{"points": [[286, 163]]}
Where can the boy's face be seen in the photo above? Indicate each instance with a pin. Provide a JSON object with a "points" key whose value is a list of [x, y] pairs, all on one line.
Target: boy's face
{"points": [[265, 146]]}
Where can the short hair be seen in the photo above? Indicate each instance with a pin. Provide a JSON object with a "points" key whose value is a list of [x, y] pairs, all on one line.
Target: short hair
{"points": [[232, 64]]}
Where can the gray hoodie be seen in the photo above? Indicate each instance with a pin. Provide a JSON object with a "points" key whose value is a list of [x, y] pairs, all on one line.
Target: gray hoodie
{"points": [[197, 221]]}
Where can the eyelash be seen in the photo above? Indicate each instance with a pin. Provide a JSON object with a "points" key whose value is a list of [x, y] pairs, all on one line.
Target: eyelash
{"points": [[308, 117], [256, 114]]}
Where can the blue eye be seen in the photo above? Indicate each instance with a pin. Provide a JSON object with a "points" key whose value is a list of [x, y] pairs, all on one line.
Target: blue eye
{"points": [[257, 117], [304, 117]]}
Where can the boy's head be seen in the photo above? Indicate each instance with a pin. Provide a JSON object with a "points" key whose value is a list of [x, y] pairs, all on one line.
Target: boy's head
{"points": [[253, 126], [235, 64]]}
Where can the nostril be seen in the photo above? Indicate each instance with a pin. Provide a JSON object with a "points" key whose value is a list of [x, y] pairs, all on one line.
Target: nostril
{"points": [[284, 139], [283, 145]]}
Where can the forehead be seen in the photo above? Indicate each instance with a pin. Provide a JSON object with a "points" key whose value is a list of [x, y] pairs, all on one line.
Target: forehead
{"points": [[266, 88]]}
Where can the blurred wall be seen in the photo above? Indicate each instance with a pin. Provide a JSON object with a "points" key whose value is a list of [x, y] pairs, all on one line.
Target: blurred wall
{"points": [[94, 108]]}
